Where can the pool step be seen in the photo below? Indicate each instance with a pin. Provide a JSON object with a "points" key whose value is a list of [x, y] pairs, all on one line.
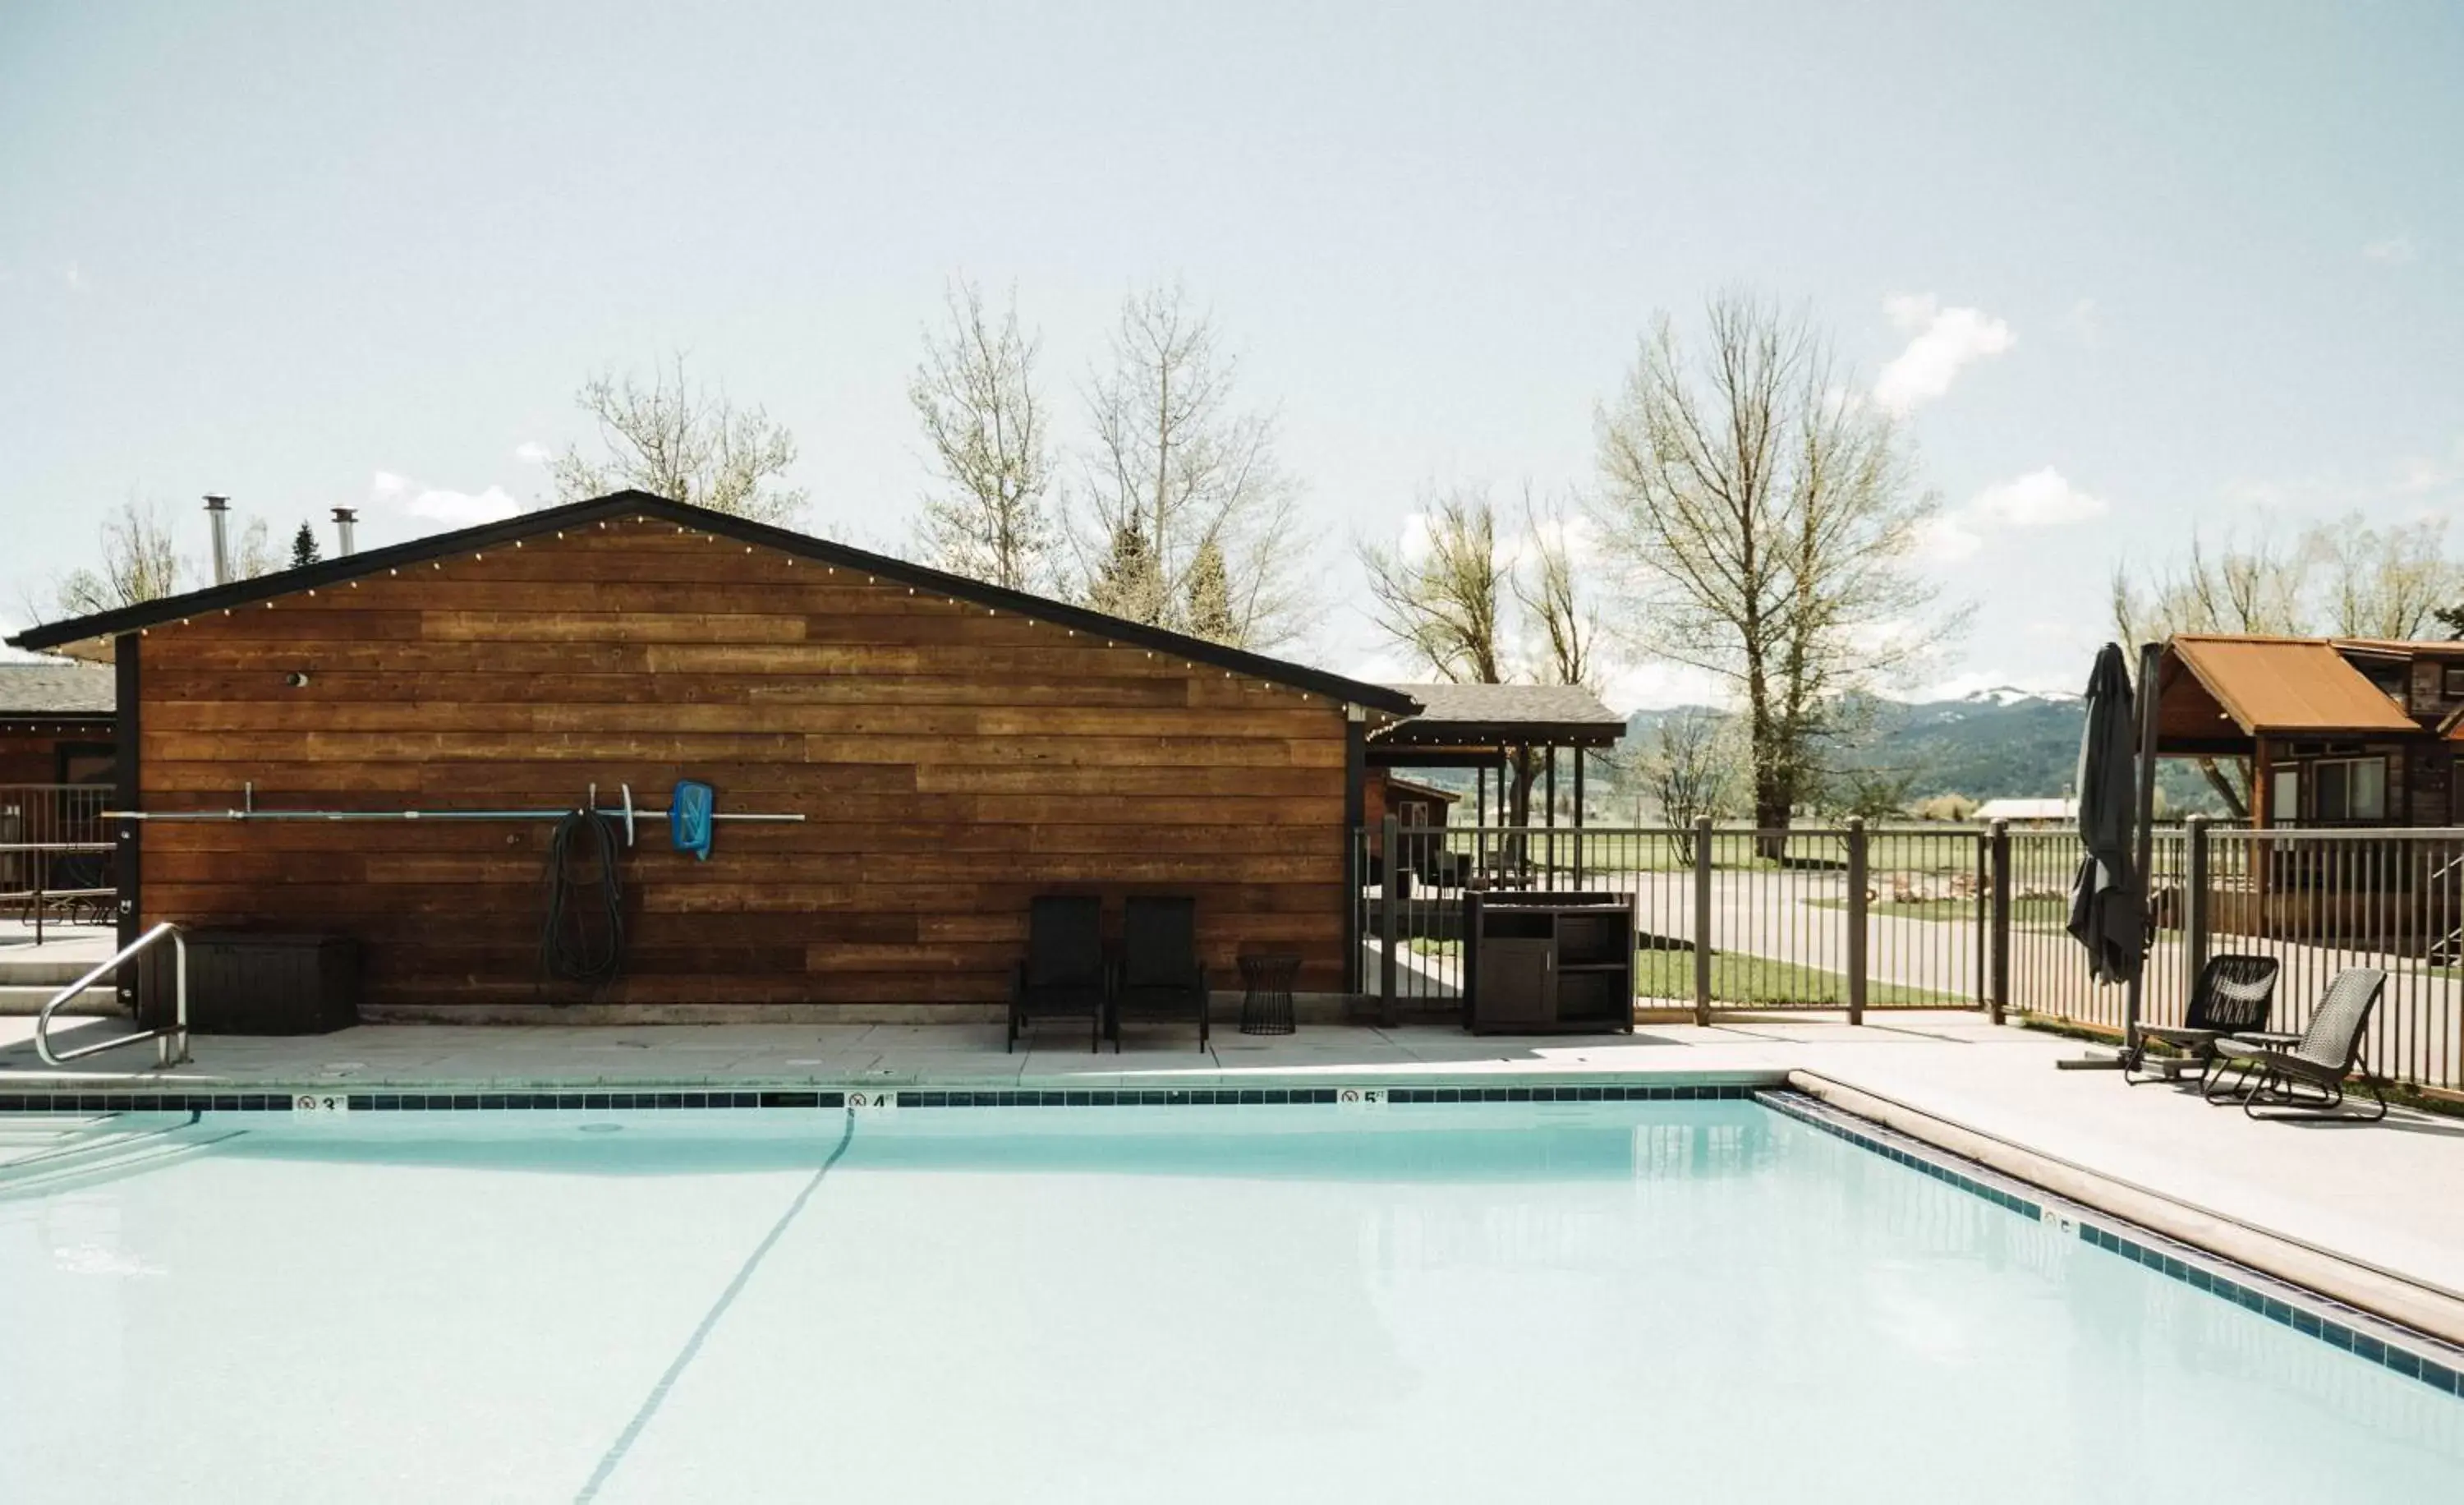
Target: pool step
{"points": [[93, 1151], [29, 998]]}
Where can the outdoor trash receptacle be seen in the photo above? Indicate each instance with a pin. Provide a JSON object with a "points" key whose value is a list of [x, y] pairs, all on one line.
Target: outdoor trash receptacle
{"points": [[246, 982]]}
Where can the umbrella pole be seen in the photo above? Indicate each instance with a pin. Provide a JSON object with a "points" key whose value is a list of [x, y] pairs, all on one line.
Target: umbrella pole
{"points": [[2144, 841]]}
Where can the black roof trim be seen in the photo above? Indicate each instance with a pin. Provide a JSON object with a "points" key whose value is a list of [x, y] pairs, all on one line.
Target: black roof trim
{"points": [[637, 503]]}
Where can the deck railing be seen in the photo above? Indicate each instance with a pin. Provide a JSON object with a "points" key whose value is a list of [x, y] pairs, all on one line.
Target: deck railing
{"points": [[1844, 916], [56, 854]]}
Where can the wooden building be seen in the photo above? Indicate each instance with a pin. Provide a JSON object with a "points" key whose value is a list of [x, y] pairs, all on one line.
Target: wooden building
{"points": [[954, 747], [55, 723], [2331, 731]]}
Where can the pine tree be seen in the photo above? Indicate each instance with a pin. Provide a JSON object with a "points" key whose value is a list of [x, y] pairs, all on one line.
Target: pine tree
{"points": [[1127, 583], [304, 547], [1207, 603]]}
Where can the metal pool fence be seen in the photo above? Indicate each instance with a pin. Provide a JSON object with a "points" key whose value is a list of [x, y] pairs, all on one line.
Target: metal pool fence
{"points": [[56, 854], [1856, 919]]}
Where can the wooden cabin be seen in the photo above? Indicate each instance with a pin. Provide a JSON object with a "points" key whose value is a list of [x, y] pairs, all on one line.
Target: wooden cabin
{"points": [[2333, 732], [956, 748]]}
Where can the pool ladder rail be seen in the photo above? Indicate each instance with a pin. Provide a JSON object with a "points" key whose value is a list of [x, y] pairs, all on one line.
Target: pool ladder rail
{"points": [[170, 1043]]}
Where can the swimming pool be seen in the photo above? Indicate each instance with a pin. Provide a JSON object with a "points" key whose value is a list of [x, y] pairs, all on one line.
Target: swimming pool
{"points": [[1499, 1301]]}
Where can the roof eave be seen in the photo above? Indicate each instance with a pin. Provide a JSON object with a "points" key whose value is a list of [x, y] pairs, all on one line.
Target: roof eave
{"points": [[635, 504]]}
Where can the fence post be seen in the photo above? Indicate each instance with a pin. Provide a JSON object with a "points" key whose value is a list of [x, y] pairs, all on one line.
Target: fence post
{"points": [[1389, 868], [2194, 907], [1856, 859], [1998, 938], [1703, 920]]}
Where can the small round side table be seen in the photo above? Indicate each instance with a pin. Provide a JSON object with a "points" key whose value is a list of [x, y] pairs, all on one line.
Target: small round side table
{"points": [[1266, 993]]}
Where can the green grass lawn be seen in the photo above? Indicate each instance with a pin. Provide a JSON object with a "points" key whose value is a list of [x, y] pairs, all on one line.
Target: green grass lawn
{"points": [[1740, 978]]}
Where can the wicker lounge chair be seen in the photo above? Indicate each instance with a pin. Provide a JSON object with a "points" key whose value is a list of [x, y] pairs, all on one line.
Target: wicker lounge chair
{"points": [[2305, 1076], [1160, 976], [2233, 997], [1063, 976]]}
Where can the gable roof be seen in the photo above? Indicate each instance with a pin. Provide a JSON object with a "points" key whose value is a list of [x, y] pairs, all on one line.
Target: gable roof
{"points": [[56, 690], [642, 505], [2288, 684], [1462, 713]]}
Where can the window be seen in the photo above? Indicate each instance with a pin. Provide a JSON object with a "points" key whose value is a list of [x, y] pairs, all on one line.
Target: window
{"points": [[2352, 790], [2454, 681], [2284, 797]]}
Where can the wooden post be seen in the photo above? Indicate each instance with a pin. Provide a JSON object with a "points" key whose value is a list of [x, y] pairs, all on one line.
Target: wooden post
{"points": [[1387, 927], [1998, 932], [1857, 859], [1703, 920], [2194, 907], [1578, 817]]}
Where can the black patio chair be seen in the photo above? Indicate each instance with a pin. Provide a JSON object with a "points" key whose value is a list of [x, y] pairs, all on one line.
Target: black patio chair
{"points": [[1160, 976], [2304, 1077], [2232, 996], [1063, 976]]}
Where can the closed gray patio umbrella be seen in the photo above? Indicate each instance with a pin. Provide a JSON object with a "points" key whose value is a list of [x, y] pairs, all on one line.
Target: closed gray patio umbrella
{"points": [[2108, 902]]}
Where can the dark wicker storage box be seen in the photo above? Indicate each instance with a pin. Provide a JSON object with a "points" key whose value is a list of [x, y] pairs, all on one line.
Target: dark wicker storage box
{"points": [[250, 982]]}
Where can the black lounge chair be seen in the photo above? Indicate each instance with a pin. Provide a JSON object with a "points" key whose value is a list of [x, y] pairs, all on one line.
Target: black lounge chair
{"points": [[1160, 977], [2304, 1075], [2232, 996], [1063, 976]]}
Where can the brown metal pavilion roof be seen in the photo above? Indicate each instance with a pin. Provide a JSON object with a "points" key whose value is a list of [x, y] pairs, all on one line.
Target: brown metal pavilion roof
{"points": [[2267, 686]]}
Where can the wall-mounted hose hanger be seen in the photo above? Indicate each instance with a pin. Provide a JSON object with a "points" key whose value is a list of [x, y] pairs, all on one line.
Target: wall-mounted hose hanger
{"points": [[583, 939], [690, 813]]}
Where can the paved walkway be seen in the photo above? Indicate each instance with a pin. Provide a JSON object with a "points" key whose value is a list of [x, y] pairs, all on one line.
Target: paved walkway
{"points": [[2389, 1197]]}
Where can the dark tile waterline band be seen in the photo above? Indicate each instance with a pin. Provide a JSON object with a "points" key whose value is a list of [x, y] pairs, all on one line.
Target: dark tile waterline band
{"points": [[670, 1098], [2413, 1354]]}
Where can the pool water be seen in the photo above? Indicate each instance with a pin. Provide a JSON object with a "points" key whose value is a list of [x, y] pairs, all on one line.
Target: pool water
{"points": [[1567, 1302]]}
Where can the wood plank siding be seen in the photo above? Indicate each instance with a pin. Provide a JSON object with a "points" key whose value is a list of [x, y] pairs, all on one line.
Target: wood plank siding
{"points": [[952, 760]]}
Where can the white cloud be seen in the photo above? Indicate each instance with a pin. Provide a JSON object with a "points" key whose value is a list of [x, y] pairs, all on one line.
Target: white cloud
{"points": [[1942, 342], [530, 452], [2038, 499], [1946, 539], [460, 509], [2395, 251], [74, 276], [455, 509]]}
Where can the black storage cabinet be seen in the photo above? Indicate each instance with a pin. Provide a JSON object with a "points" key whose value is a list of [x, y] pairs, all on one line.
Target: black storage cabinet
{"points": [[256, 981], [1548, 964]]}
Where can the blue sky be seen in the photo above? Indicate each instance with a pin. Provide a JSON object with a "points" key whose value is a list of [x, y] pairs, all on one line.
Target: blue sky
{"points": [[2126, 268]]}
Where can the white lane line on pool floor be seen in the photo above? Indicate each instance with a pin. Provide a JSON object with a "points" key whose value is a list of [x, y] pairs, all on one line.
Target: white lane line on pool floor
{"points": [[650, 1404]]}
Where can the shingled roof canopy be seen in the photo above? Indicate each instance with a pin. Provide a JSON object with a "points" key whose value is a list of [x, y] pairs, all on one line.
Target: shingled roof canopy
{"points": [[55, 691], [1456, 716], [642, 505]]}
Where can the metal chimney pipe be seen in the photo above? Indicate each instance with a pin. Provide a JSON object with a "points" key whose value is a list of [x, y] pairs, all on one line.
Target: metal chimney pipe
{"points": [[344, 518], [217, 512]]}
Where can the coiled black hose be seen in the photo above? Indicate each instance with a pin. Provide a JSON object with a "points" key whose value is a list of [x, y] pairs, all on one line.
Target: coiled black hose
{"points": [[584, 940]]}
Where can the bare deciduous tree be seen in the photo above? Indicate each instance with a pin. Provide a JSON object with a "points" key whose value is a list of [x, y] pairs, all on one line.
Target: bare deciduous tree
{"points": [[140, 563], [2385, 582], [975, 394], [1175, 456], [1688, 769], [1763, 518], [255, 556], [676, 440], [1445, 599], [1566, 624]]}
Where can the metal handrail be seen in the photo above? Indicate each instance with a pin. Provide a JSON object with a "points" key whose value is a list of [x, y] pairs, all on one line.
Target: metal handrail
{"points": [[170, 1046]]}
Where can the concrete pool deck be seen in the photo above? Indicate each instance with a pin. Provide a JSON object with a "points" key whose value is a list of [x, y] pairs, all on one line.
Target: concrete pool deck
{"points": [[2371, 1214]]}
